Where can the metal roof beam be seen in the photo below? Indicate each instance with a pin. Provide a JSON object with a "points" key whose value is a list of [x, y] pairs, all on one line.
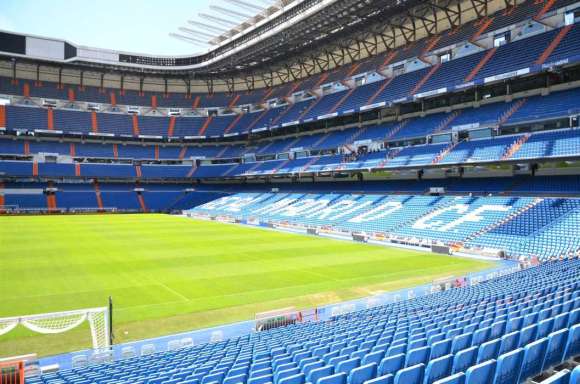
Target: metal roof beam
{"points": [[188, 39], [202, 25], [230, 12], [195, 32], [246, 5], [224, 22]]}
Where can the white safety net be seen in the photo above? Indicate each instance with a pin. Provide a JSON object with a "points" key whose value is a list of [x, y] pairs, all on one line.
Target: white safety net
{"points": [[6, 325], [60, 322]]}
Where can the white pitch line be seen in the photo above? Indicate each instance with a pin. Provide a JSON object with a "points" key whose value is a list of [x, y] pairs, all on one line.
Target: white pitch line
{"points": [[173, 291]]}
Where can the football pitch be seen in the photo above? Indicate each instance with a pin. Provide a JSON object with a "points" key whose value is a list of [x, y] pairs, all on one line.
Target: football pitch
{"points": [[168, 274]]}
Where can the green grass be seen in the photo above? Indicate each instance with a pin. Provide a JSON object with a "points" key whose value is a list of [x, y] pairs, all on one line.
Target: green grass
{"points": [[169, 274]]}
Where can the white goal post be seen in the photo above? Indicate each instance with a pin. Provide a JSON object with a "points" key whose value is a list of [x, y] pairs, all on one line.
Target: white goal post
{"points": [[60, 322]]}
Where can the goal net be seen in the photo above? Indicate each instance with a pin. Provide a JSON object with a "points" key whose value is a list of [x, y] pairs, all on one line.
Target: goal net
{"points": [[60, 322]]}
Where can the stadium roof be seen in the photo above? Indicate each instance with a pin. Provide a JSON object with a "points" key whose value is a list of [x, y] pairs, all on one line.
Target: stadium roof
{"points": [[267, 39]]}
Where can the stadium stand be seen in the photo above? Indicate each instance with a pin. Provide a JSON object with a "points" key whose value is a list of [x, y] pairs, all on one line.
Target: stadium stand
{"points": [[424, 80], [522, 225], [466, 139], [505, 330]]}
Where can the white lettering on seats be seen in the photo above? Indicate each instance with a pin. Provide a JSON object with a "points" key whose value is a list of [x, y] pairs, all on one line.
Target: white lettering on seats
{"points": [[474, 215], [303, 206], [237, 205], [423, 222], [378, 212], [462, 209], [341, 208], [274, 206]]}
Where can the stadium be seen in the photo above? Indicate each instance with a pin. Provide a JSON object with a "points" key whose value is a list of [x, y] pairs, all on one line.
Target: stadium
{"points": [[332, 192]]}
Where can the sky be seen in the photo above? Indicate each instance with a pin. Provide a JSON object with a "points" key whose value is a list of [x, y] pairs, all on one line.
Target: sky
{"points": [[140, 26]]}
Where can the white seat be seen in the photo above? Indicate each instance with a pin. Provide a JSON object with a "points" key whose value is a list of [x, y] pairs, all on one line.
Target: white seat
{"points": [[80, 361], [128, 352], [173, 345], [187, 342], [148, 349], [216, 337]]}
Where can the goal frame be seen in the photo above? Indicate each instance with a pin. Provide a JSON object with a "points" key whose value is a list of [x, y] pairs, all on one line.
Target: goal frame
{"points": [[100, 321]]}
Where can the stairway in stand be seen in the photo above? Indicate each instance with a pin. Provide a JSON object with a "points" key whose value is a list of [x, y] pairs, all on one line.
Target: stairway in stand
{"points": [[515, 146], [505, 117], [444, 153], [98, 195]]}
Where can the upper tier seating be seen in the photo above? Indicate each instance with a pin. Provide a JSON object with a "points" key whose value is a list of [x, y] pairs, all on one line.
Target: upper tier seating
{"points": [[504, 330]]}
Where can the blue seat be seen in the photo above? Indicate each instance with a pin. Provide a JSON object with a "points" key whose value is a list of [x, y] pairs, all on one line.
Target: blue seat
{"points": [[284, 367], [391, 364], [497, 329], [261, 379], [348, 350], [385, 379], [330, 355], [236, 379], [464, 359], [481, 373], [294, 379], [575, 376], [545, 328], [359, 354], [461, 342], [534, 354], [337, 378], [311, 366], [509, 342], [440, 348], [320, 351], [458, 378], [335, 361], [213, 378], [508, 367], [561, 321], [348, 365], [555, 348], [238, 371], [307, 361], [410, 375], [488, 350], [574, 317], [514, 324], [438, 368], [573, 342], [480, 336], [396, 349], [418, 343], [300, 356], [417, 356], [373, 357], [363, 373], [318, 373], [260, 372], [260, 365], [527, 335], [285, 373]]}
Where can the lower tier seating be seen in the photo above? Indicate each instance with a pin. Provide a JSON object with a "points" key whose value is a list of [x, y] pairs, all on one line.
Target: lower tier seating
{"points": [[74, 197], [502, 331], [92, 197], [542, 227]]}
